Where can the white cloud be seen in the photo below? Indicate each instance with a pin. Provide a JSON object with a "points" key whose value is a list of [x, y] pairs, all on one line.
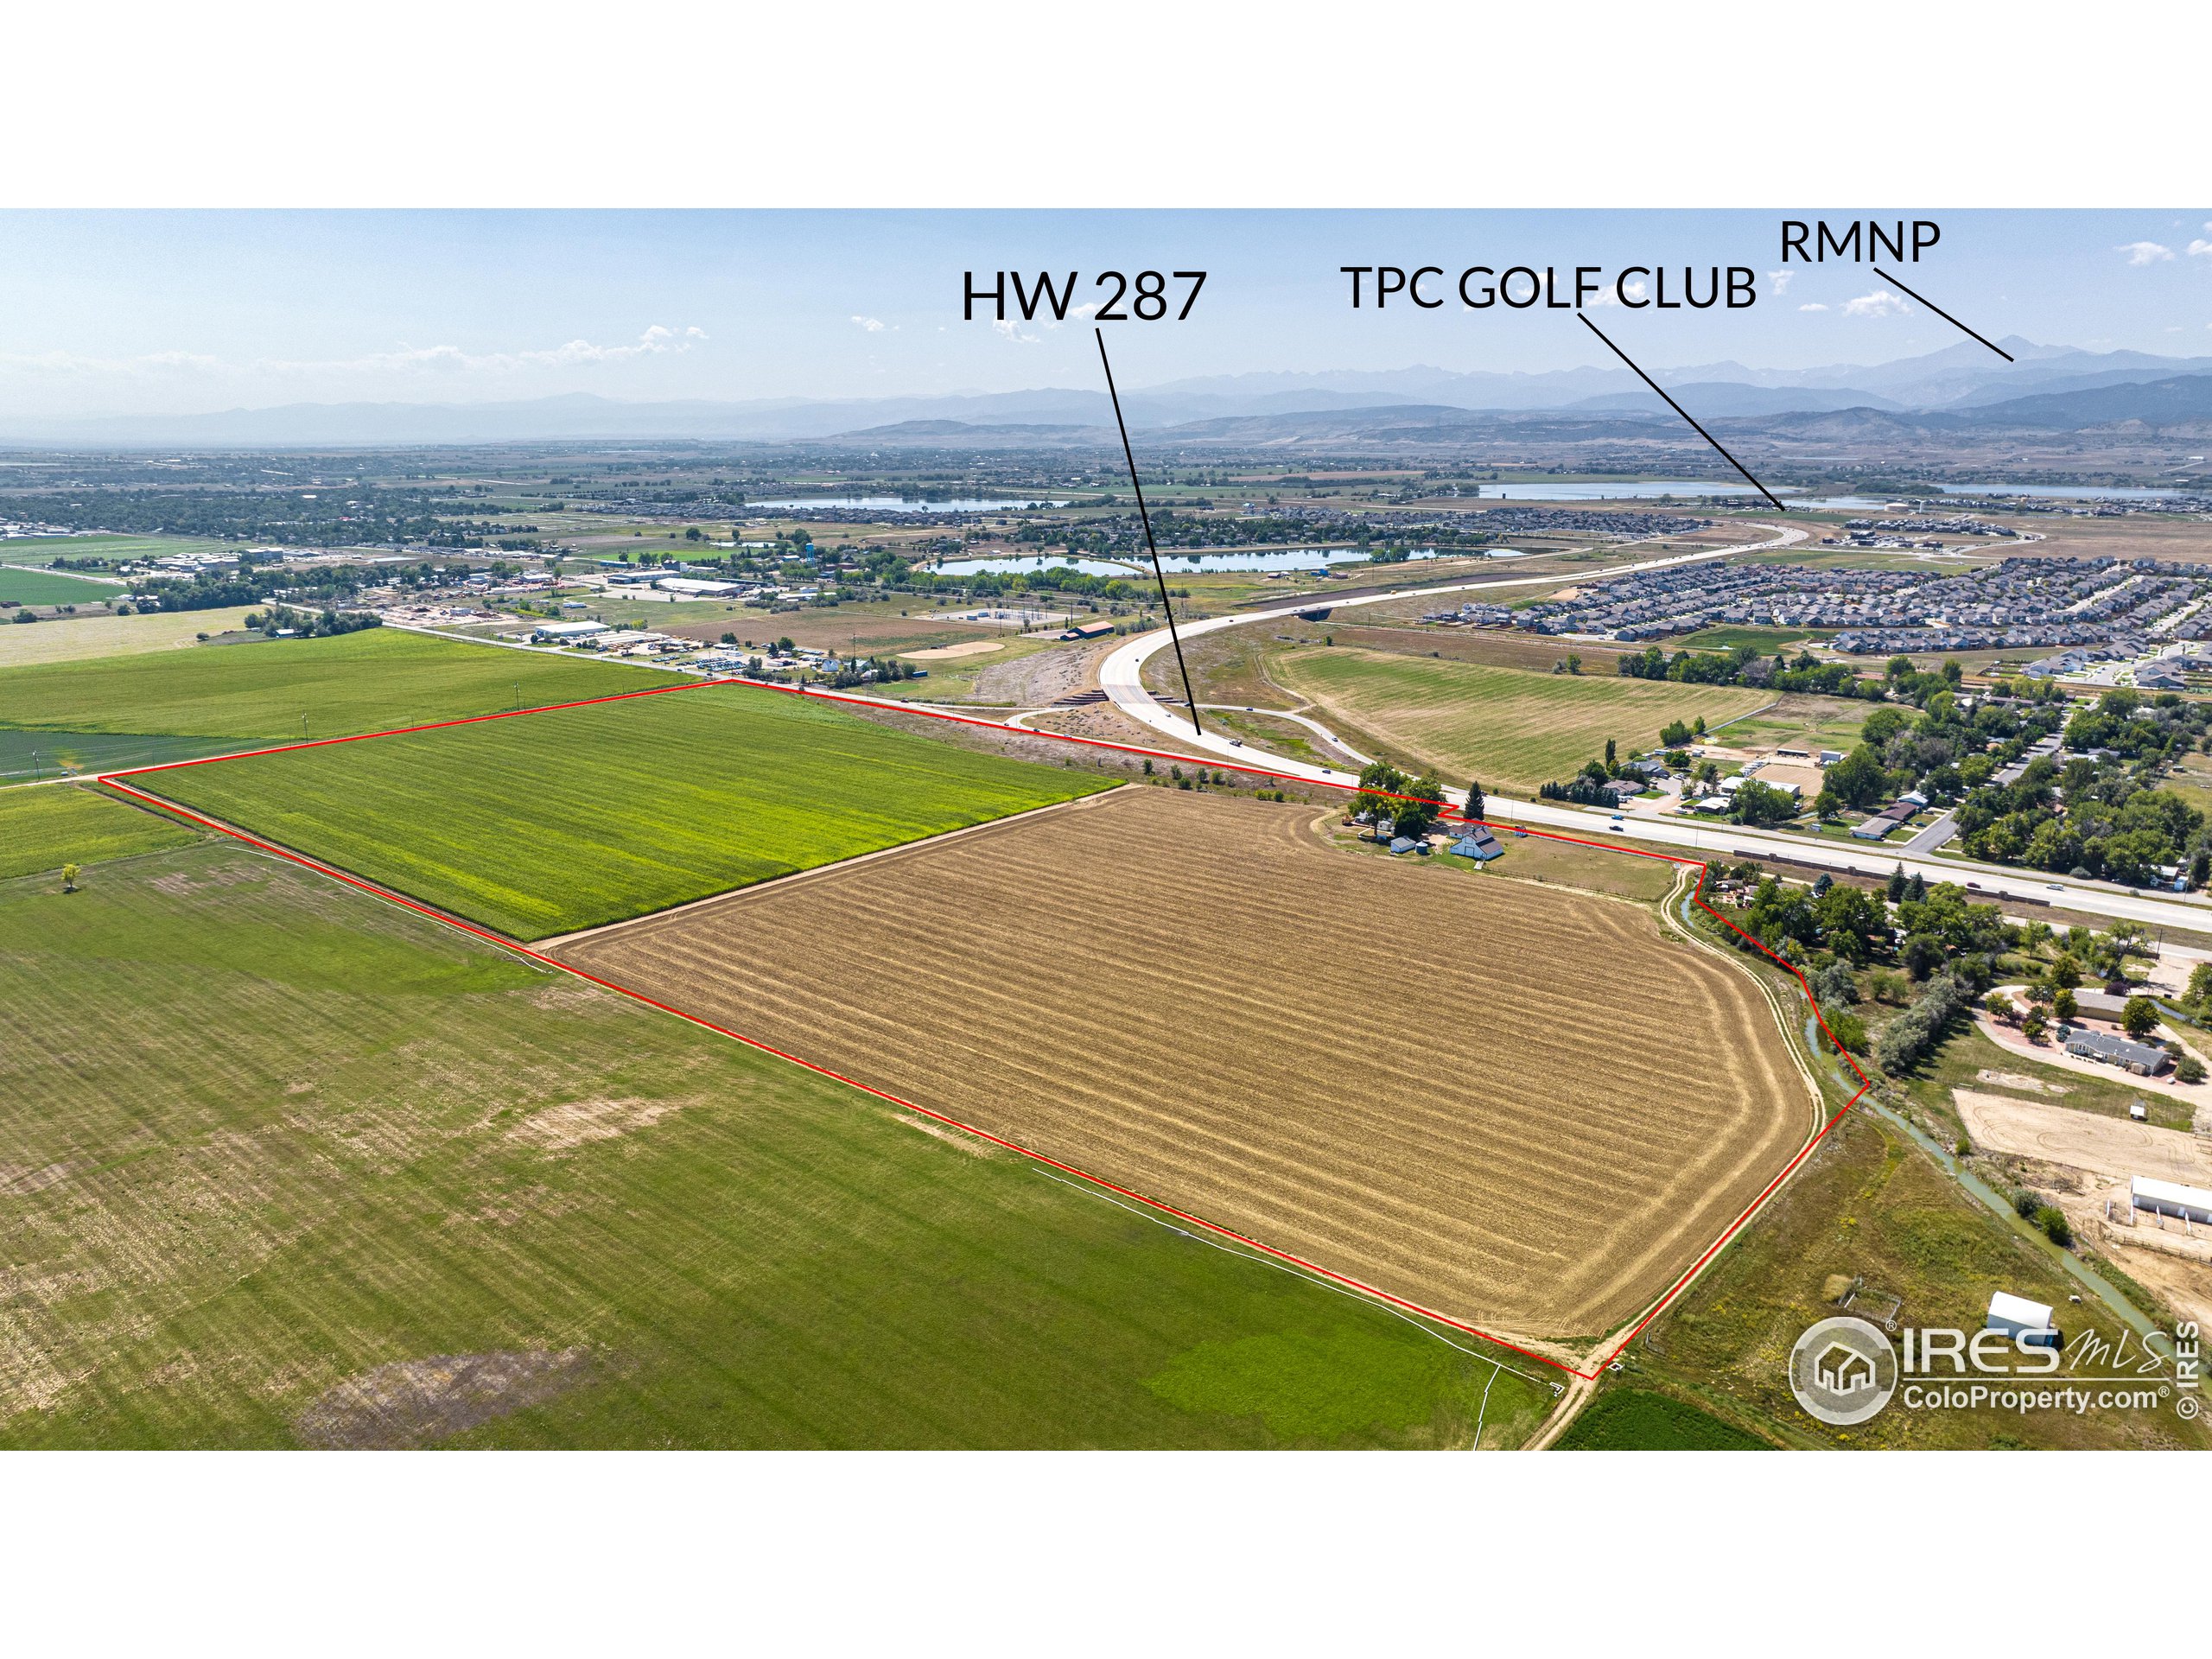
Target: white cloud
{"points": [[1611, 293], [1815, 306], [657, 340], [1779, 281], [2144, 253], [1880, 303], [874, 325], [2200, 248], [1008, 329]]}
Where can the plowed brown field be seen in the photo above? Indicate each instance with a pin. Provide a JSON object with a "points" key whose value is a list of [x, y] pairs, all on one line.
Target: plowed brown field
{"points": [[1516, 1105]]}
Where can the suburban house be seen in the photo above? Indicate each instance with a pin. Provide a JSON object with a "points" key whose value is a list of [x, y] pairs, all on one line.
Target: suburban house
{"points": [[2145, 1059]]}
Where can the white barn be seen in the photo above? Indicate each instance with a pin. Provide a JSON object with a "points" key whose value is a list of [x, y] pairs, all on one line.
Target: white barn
{"points": [[2171, 1198]]}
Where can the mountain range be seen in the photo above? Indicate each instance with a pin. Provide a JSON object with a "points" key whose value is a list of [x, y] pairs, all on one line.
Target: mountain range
{"points": [[1965, 385]]}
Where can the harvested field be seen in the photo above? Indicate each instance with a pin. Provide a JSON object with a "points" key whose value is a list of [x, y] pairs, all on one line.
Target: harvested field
{"points": [[1450, 1089]]}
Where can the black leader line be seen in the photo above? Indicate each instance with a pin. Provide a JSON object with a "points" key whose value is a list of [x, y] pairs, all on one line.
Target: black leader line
{"points": [[1175, 637], [1948, 318], [1684, 413]]}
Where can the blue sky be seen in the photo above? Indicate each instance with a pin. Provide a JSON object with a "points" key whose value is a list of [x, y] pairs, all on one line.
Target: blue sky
{"points": [[145, 313]]}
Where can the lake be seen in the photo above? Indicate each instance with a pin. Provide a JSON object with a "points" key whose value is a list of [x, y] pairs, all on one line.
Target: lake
{"points": [[1185, 564], [892, 503]]}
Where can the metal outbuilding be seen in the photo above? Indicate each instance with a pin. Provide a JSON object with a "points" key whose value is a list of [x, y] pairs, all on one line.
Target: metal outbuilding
{"points": [[2017, 1317], [2190, 1203]]}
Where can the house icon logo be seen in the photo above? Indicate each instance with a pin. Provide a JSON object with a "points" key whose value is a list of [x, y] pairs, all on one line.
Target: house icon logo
{"points": [[1843, 1370]]}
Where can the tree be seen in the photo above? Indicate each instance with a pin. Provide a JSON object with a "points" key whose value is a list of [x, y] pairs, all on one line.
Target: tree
{"points": [[1475, 804], [1674, 735], [2189, 1069], [2062, 1006], [2034, 1025], [1848, 1031], [2200, 981], [1859, 778], [2140, 1017], [2000, 1005], [1761, 803], [1379, 783], [1922, 956], [1424, 805], [1896, 884], [1612, 764], [2066, 973], [2056, 1228], [1916, 889], [69, 874], [1835, 985]]}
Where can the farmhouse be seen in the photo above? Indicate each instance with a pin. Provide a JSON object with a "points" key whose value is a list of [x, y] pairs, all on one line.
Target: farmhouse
{"points": [[1478, 844], [2142, 1058], [2016, 1316]]}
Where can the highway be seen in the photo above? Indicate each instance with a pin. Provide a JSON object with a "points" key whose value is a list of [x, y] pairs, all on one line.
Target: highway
{"points": [[1123, 676]]}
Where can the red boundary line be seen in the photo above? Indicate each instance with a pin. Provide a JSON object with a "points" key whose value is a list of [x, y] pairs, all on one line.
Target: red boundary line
{"points": [[390, 896]]}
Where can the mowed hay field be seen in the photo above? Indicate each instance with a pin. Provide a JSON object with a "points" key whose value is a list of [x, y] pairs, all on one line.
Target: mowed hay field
{"points": [[284, 1165], [1513, 728], [1516, 1105], [553, 822]]}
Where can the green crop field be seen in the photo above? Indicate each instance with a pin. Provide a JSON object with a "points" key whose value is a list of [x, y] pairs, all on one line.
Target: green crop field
{"points": [[21, 587], [45, 828], [264, 688], [1513, 728], [556, 822], [287, 1166], [1636, 1419]]}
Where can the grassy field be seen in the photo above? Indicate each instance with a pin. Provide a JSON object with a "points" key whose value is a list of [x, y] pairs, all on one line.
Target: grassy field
{"points": [[1867, 1204], [555, 822], [264, 688], [45, 828], [351, 1179], [1798, 719], [1637, 1419], [21, 587], [1512, 728], [73, 639]]}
